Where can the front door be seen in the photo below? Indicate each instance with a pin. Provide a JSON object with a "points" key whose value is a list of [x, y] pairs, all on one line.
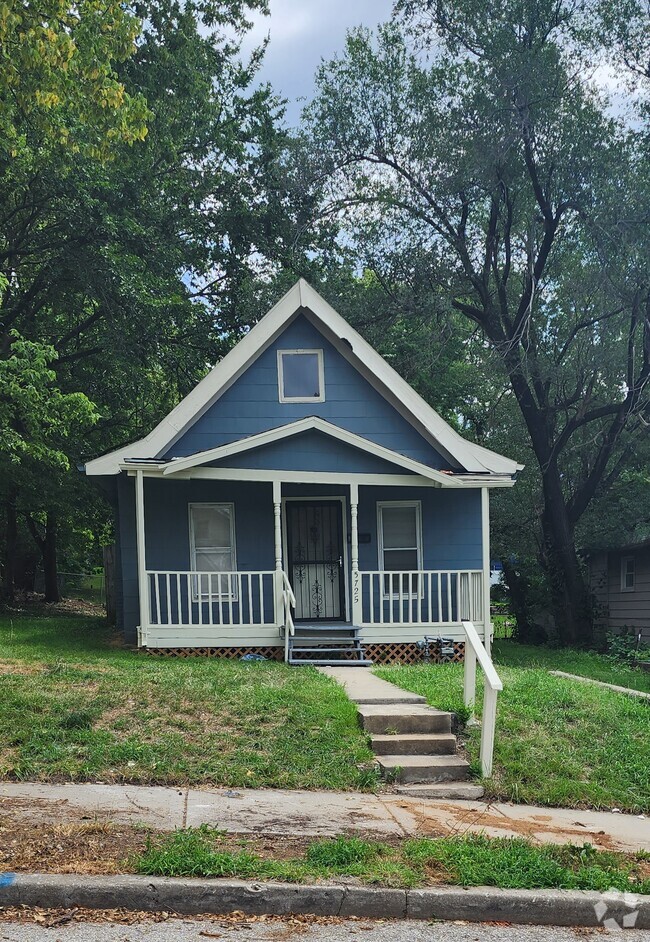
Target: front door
{"points": [[315, 559]]}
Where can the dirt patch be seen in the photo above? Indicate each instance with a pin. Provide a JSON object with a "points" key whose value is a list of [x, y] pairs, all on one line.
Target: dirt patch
{"points": [[34, 604], [20, 668], [461, 821]]}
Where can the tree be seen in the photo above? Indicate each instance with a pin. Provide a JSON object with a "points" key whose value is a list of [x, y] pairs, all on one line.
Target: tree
{"points": [[489, 150], [131, 255]]}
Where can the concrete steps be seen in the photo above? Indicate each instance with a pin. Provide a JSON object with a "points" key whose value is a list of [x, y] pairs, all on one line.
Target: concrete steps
{"points": [[418, 768], [414, 744], [403, 718]]}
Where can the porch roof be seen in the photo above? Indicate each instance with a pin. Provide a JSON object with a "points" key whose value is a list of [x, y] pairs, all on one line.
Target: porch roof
{"points": [[416, 472]]}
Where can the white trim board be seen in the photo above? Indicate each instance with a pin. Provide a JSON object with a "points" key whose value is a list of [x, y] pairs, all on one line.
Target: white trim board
{"points": [[311, 423], [471, 457], [306, 477]]}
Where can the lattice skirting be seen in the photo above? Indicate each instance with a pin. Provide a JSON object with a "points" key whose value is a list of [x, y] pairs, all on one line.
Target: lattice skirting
{"points": [[409, 653], [271, 653], [390, 653]]}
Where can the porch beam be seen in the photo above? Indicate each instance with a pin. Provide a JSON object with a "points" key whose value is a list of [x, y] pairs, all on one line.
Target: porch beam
{"points": [[143, 587], [357, 607], [485, 531]]}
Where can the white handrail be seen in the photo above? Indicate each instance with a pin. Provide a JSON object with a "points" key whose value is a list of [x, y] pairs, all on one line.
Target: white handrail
{"points": [[289, 602], [475, 650]]}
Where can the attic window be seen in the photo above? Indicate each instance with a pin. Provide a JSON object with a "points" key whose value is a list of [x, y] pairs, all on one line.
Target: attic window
{"points": [[300, 376]]}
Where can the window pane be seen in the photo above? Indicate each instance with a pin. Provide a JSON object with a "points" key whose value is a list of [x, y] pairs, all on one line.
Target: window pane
{"points": [[211, 526], [399, 560], [300, 376], [400, 527], [214, 561]]}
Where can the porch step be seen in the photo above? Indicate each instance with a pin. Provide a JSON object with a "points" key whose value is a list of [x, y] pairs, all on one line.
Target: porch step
{"points": [[418, 744], [419, 768], [300, 650], [402, 718]]}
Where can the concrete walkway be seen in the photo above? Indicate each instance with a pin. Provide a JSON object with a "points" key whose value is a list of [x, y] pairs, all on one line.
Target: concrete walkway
{"points": [[362, 686], [316, 814]]}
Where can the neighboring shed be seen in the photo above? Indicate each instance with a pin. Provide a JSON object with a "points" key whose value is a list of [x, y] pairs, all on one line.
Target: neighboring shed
{"points": [[620, 584]]}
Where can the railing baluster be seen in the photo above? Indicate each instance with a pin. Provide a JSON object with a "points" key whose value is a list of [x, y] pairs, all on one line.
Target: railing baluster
{"points": [[179, 601], [190, 598], [260, 582], [439, 598], [154, 576], [211, 599], [450, 613], [230, 598]]}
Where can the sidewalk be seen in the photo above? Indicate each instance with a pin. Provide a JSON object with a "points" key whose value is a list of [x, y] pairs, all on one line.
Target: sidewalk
{"points": [[318, 814]]}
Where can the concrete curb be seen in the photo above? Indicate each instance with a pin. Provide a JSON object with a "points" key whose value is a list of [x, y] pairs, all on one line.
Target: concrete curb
{"points": [[198, 896]]}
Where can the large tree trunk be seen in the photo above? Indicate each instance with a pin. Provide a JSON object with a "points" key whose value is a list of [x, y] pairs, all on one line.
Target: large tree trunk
{"points": [[50, 570], [519, 599], [570, 594], [11, 545]]}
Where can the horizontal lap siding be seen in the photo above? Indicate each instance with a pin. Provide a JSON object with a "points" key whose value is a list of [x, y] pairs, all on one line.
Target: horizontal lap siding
{"points": [[251, 405], [311, 451], [614, 608]]}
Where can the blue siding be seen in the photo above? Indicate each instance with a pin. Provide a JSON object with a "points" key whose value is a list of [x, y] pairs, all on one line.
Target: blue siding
{"points": [[451, 523], [311, 451], [251, 404]]}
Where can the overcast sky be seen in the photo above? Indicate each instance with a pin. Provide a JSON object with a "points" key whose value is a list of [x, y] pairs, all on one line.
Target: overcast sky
{"points": [[302, 33]]}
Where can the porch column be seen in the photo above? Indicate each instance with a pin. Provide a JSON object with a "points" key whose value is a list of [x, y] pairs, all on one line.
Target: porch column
{"points": [[357, 605], [143, 587], [277, 530], [485, 528]]}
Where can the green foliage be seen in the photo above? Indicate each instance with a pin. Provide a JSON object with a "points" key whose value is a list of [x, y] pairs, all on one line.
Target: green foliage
{"points": [[624, 646], [471, 860]]}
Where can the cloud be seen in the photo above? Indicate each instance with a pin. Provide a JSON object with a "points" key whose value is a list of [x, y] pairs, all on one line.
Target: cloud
{"points": [[302, 33]]}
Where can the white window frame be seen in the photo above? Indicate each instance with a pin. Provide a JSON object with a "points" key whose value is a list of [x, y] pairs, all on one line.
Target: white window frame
{"points": [[321, 377], [205, 596], [417, 504], [624, 572]]}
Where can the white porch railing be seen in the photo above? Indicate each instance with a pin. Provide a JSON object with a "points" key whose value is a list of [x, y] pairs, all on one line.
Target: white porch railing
{"points": [[189, 598], [421, 597], [475, 650]]}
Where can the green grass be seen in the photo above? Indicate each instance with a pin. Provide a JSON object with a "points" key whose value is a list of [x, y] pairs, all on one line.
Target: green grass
{"points": [[558, 742], [76, 707], [472, 860], [584, 663]]}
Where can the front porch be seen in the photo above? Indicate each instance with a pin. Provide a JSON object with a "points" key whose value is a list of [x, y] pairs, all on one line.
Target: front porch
{"points": [[260, 606]]}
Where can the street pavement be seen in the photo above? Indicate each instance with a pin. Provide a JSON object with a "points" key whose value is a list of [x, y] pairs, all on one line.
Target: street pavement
{"points": [[186, 930]]}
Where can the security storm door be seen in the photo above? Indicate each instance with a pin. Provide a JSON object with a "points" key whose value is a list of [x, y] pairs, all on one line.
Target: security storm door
{"points": [[315, 557]]}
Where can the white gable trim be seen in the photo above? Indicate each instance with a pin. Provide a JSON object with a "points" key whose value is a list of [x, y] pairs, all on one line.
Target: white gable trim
{"points": [[473, 458], [310, 423]]}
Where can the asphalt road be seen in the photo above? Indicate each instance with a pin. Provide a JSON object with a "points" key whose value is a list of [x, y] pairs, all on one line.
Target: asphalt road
{"points": [[185, 930]]}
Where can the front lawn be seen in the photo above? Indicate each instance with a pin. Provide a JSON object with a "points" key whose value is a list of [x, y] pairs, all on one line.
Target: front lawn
{"points": [[558, 742], [75, 706]]}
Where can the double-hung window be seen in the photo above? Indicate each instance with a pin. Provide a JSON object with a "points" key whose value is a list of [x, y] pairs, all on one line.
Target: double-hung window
{"points": [[212, 550], [399, 528], [301, 376], [628, 574]]}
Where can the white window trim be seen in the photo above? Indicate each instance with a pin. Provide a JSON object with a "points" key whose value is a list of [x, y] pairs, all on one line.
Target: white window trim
{"points": [[418, 534], [205, 596], [624, 561], [321, 377]]}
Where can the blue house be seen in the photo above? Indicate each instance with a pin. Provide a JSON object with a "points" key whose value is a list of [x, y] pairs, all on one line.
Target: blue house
{"points": [[302, 502]]}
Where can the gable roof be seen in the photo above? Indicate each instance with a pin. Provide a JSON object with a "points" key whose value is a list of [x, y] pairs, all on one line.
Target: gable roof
{"points": [[297, 428], [473, 458]]}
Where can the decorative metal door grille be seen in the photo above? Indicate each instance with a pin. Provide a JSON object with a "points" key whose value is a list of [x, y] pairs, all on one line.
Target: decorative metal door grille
{"points": [[315, 550]]}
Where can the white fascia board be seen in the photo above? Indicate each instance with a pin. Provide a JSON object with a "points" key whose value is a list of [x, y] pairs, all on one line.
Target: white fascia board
{"points": [[473, 458], [304, 425]]}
